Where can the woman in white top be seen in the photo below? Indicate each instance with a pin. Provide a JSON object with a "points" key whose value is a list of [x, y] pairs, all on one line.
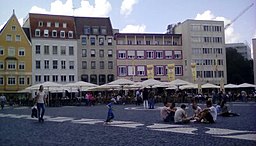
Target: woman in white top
{"points": [[40, 100]]}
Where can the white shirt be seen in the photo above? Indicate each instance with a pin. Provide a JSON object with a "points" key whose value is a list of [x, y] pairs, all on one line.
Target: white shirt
{"points": [[179, 114], [41, 96], [213, 112]]}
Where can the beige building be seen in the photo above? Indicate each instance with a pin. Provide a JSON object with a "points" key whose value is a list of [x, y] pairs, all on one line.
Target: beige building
{"points": [[203, 46], [254, 58], [143, 55]]}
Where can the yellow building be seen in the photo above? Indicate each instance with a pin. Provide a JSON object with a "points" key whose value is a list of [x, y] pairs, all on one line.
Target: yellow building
{"points": [[15, 58]]}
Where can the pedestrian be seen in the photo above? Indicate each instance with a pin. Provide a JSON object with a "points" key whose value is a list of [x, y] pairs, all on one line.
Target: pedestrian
{"points": [[151, 96], [2, 100], [145, 98], [110, 115], [40, 101]]}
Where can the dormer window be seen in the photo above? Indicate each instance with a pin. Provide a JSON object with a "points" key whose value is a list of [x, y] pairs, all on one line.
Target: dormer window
{"points": [[48, 24], [40, 23], [70, 34], [54, 33], [37, 32], [57, 24], [64, 25], [95, 31], [62, 34], [46, 33], [103, 31]]}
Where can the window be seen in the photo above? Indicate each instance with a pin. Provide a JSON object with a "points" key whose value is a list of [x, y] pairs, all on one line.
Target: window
{"points": [[55, 78], [1, 51], [159, 70], [195, 27], [101, 64], [62, 34], [38, 49], [84, 53], [110, 78], [140, 70], [38, 64], [11, 65], [13, 28], [21, 80], [178, 70], [17, 38], [84, 64], [93, 79], [95, 30], [55, 64], [55, 50], [57, 24], [131, 54], [103, 31], [1, 80], [21, 66], [37, 33], [38, 78], [63, 78], [63, 64], [71, 50], [196, 51], [129, 42], [140, 54], [84, 78], [63, 50], [1, 65], [93, 53], [101, 53], [168, 54], [11, 52], [48, 24], [71, 78], [122, 54], [93, 65], [147, 42], [122, 71], [102, 79], [110, 64], [46, 64], [46, 78], [207, 39], [177, 55], [150, 54], [11, 80], [139, 42], [87, 30], [159, 54], [101, 41], [46, 33], [195, 39], [110, 53], [21, 52], [46, 50], [71, 64], [8, 37], [54, 33], [83, 40], [92, 39], [70, 34], [109, 41], [131, 70], [64, 25]]}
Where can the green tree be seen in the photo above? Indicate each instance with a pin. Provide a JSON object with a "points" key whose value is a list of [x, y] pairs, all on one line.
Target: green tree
{"points": [[239, 69]]}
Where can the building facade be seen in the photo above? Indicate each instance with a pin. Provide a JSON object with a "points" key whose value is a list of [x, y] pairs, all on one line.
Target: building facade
{"points": [[140, 56], [15, 58], [241, 48], [54, 48], [254, 58], [203, 50], [96, 50]]}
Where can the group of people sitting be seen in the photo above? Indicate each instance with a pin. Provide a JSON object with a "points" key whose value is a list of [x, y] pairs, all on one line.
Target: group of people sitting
{"points": [[170, 113]]}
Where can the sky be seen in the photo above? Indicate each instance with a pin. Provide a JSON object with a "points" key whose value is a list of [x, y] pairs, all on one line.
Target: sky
{"points": [[149, 16]]}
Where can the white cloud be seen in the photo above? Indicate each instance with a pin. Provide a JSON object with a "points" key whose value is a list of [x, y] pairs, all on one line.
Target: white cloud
{"points": [[99, 8], [127, 6], [230, 35], [134, 29]]}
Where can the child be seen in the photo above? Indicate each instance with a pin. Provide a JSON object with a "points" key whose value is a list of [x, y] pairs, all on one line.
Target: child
{"points": [[110, 113]]}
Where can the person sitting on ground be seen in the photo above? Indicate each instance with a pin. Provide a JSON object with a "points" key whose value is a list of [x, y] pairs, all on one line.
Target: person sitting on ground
{"points": [[209, 114], [224, 110], [167, 112], [197, 109], [180, 116]]}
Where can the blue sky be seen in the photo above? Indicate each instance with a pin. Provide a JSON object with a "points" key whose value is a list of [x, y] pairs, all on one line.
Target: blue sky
{"points": [[146, 15]]}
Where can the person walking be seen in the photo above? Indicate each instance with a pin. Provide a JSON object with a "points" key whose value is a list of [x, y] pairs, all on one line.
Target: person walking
{"points": [[110, 115], [40, 101], [2, 100], [145, 98], [151, 96]]}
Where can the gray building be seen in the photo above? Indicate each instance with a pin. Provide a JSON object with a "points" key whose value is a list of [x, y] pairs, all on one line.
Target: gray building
{"points": [[96, 50], [241, 48]]}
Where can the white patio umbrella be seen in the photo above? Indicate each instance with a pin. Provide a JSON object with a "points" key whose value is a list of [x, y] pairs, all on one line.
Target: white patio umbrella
{"points": [[104, 87], [246, 85], [81, 85], [150, 83], [179, 82], [47, 86], [209, 85], [189, 86], [121, 82], [230, 86], [172, 87]]}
